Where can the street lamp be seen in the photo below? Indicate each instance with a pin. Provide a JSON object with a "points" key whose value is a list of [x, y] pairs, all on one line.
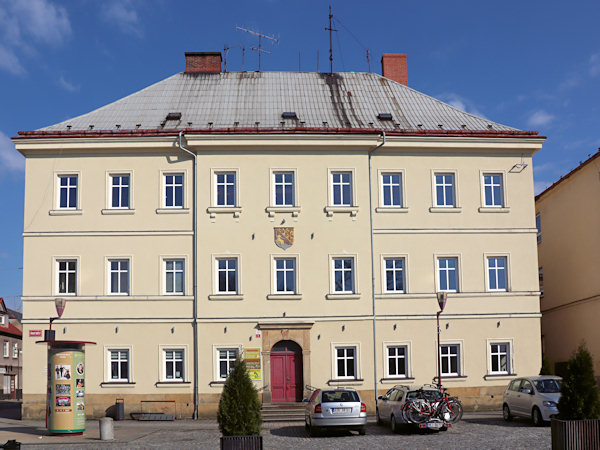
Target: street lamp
{"points": [[60, 303], [442, 297]]}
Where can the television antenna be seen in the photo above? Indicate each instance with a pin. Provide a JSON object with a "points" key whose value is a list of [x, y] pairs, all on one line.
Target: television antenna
{"points": [[260, 36], [330, 29], [226, 49]]}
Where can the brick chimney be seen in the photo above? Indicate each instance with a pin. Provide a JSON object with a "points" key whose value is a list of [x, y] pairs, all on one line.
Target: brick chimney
{"points": [[393, 66], [203, 62]]}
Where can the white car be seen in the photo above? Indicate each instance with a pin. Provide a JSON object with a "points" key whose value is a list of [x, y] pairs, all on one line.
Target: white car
{"points": [[339, 408], [535, 397]]}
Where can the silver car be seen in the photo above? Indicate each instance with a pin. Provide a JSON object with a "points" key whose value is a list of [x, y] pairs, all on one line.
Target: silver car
{"points": [[340, 408], [535, 397]]}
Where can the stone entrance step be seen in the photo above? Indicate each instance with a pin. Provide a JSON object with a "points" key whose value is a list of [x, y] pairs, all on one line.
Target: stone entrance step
{"points": [[283, 412]]}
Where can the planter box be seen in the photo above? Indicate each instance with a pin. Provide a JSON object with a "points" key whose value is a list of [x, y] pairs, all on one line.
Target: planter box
{"points": [[575, 434], [241, 442]]}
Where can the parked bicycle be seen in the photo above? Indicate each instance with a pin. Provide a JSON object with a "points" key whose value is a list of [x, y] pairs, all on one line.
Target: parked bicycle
{"points": [[423, 405]]}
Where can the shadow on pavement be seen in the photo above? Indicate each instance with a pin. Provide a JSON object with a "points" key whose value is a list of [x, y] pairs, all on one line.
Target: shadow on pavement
{"points": [[10, 410]]}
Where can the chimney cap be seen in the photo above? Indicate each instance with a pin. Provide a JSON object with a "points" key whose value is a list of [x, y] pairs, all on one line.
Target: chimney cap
{"points": [[203, 54]]}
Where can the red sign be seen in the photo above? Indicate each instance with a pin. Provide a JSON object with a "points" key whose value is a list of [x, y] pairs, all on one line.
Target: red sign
{"points": [[35, 333]]}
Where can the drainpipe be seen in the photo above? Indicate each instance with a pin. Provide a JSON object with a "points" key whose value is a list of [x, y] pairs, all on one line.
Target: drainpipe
{"points": [[195, 272], [373, 265]]}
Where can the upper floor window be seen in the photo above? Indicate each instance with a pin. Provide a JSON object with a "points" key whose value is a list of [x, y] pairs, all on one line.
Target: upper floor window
{"points": [[225, 192], [2, 319], [119, 276], [6, 349], [391, 189], [173, 190], [67, 276], [341, 189], [67, 198], [394, 274], [497, 279], [538, 226], [285, 275], [119, 191], [283, 188], [445, 190], [500, 358], [15, 350], [174, 276], [493, 190], [343, 275], [448, 274], [227, 275]]}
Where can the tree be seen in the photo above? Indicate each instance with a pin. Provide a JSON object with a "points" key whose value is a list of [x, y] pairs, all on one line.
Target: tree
{"points": [[546, 366], [239, 408], [580, 398]]}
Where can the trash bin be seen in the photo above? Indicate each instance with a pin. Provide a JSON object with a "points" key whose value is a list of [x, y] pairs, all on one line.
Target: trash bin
{"points": [[120, 409]]}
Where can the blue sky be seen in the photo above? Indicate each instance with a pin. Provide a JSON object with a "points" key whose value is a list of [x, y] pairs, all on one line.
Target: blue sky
{"points": [[534, 65]]}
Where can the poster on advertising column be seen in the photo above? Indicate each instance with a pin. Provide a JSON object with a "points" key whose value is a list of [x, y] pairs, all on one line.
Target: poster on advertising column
{"points": [[253, 363], [66, 391]]}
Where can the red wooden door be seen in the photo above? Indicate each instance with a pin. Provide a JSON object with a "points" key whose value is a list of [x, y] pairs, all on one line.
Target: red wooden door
{"points": [[286, 372]]}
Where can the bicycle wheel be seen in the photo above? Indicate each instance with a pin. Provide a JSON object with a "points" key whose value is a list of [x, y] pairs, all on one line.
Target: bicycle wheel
{"points": [[452, 411], [415, 415]]}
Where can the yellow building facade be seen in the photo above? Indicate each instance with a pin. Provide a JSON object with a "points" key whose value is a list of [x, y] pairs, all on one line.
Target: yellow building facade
{"points": [[320, 243]]}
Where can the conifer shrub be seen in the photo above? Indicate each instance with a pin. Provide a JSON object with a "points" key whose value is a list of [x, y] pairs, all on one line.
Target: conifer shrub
{"points": [[546, 366], [580, 398], [239, 407]]}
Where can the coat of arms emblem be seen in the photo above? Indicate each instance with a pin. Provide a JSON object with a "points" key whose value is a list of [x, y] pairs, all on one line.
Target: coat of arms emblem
{"points": [[284, 237]]}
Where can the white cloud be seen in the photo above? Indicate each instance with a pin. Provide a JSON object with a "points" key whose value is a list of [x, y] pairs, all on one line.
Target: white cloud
{"points": [[540, 186], [24, 23], [595, 64], [540, 118], [544, 167], [10, 159], [461, 103], [123, 14], [66, 85]]}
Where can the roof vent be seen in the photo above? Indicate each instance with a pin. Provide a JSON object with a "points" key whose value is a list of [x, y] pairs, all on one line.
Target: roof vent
{"points": [[173, 116], [289, 115], [384, 116]]}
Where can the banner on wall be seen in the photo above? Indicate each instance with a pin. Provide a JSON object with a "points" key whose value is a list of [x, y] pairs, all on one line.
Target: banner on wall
{"points": [[253, 363]]}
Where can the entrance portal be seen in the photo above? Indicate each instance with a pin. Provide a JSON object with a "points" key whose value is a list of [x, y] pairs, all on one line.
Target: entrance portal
{"points": [[286, 372]]}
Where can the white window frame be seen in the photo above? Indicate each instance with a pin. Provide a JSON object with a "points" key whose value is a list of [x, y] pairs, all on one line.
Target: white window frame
{"points": [[459, 358], [164, 261], [216, 260], [538, 227], [332, 259], [487, 257], [111, 175], [57, 271], [227, 184], [108, 372], [454, 185], [509, 359], [334, 359], [6, 349], [2, 319], [15, 352], [386, 257], [174, 362], [381, 174], [437, 259], [61, 175], [110, 259], [164, 176], [274, 259], [162, 349], [333, 184], [407, 359], [274, 184], [484, 199], [217, 360]]}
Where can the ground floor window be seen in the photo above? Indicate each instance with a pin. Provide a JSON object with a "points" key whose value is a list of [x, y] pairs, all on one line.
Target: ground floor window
{"points": [[500, 358], [345, 362], [119, 365], [226, 357], [396, 361], [173, 359], [450, 358]]}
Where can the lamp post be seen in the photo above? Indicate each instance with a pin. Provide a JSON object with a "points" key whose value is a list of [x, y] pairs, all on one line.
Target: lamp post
{"points": [[60, 303], [442, 297]]}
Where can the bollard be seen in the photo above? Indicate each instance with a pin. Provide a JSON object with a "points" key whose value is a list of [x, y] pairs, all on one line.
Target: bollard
{"points": [[107, 432]]}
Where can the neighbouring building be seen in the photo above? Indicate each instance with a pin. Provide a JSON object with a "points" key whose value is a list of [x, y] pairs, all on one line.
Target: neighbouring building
{"points": [[328, 210], [11, 338], [569, 263]]}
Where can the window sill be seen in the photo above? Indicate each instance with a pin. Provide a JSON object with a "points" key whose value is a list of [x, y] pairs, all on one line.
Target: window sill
{"points": [[331, 210], [228, 297], [493, 209], [214, 210], [342, 296], [390, 295], [395, 380], [295, 210], [391, 209], [499, 376], [441, 209], [117, 212], [171, 383], [217, 383], [121, 384], [172, 210], [65, 212], [345, 381], [453, 377], [284, 297]]}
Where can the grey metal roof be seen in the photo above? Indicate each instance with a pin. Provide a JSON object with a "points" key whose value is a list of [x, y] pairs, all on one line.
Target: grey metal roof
{"points": [[258, 99]]}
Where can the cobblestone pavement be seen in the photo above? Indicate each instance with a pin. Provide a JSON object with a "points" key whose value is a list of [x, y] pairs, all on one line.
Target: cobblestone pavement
{"points": [[485, 431]]}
